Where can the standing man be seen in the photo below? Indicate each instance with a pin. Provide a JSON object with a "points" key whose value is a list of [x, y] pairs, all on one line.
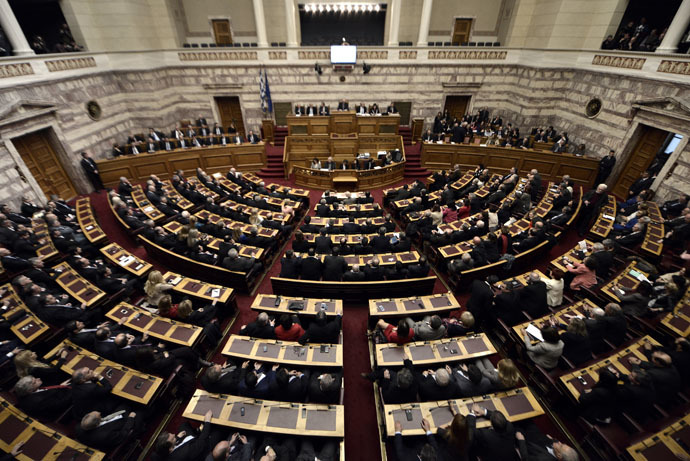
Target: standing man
{"points": [[91, 171], [606, 165]]}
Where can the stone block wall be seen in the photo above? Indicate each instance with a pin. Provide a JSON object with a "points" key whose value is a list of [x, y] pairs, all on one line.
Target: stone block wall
{"points": [[528, 97]]}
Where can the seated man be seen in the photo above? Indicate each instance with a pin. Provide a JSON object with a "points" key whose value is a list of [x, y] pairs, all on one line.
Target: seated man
{"points": [[533, 444], [320, 330], [437, 385], [221, 379], [187, 444], [428, 329], [396, 387], [262, 327], [254, 383], [289, 385], [325, 387], [106, 432], [91, 392], [471, 381], [39, 401], [496, 442]]}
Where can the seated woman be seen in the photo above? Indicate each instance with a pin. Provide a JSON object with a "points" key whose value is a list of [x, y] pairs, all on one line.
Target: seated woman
{"points": [[454, 441], [544, 353], [554, 288], [585, 275], [576, 346], [27, 364], [288, 328], [504, 377], [166, 308], [315, 164], [155, 289], [399, 335]]}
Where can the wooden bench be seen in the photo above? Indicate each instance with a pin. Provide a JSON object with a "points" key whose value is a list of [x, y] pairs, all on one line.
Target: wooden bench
{"points": [[284, 352], [40, 441], [303, 419], [126, 260], [77, 286], [438, 352], [516, 405], [353, 291]]}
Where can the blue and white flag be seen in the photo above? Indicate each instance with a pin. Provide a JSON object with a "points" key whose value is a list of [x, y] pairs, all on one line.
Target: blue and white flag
{"points": [[265, 93]]}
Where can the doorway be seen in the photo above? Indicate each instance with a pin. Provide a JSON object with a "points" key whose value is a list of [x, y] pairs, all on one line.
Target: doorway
{"points": [[457, 105], [461, 30], [42, 161], [221, 31], [651, 140], [230, 111]]}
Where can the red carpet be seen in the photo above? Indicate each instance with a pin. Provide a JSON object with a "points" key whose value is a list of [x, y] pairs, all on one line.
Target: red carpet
{"points": [[362, 435]]}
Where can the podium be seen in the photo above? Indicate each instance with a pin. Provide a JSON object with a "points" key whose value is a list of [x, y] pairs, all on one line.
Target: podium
{"points": [[343, 122]]}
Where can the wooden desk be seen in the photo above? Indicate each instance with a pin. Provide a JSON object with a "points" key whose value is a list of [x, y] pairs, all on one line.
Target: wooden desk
{"points": [[284, 352], [29, 328], [214, 242], [625, 279], [577, 308], [575, 255], [435, 352], [385, 259], [430, 305], [552, 167], [199, 289], [521, 280], [127, 383], [344, 183], [202, 189], [175, 196], [156, 326], [655, 232], [47, 249], [88, 223], [366, 179], [338, 222], [607, 217], [126, 260], [41, 442], [516, 405], [590, 374], [304, 419], [312, 306], [678, 321], [665, 444], [212, 159], [77, 286], [353, 290], [146, 207], [245, 228]]}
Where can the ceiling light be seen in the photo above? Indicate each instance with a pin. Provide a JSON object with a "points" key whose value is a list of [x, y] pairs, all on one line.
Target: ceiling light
{"points": [[320, 8], [377, 8], [370, 8]]}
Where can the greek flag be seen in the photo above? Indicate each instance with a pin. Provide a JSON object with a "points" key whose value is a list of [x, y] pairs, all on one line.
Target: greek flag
{"points": [[265, 93]]}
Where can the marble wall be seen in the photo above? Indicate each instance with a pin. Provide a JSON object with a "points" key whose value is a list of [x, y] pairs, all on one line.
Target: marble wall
{"points": [[134, 100]]}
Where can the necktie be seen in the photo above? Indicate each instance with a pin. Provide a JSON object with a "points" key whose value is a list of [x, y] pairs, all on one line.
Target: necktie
{"points": [[60, 386]]}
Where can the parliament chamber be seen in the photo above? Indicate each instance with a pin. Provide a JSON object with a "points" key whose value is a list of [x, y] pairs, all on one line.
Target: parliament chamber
{"points": [[276, 230]]}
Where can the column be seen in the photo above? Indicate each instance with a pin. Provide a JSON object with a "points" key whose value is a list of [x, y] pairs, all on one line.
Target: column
{"points": [[675, 31], [291, 26], [260, 23], [394, 26], [423, 38], [13, 31]]}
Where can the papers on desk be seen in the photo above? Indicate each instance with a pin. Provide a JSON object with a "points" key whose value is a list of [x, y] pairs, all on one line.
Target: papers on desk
{"points": [[148, 209], [377, 167], [439, 142], [215, 293], [126, 260], [534, 332], [483, 145], [607, 216], [583, 245], [364, 155], [88, 228], [639, 276], [175, 281], [381, 153]]}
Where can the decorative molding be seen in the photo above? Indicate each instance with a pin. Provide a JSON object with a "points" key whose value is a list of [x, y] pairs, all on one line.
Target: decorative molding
{"points": [[623, 62], [407, 54], [466, 54], [674, 67], [277, 55], [70, 64], [372, 54], [668, 106], [313, 54], [461, 85], [221, 86], [218, 56], [15, 70]]}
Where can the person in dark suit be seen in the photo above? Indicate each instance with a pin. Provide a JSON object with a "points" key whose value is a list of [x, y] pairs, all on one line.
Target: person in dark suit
{"points": [[91, 392], [290, 266], [354, 275], [176, 447], [637, 394], [533, 297], [262, 327], [428, 451], [606, 165], [253, 138], [330, 164], [325, 387], [91, 171], [495, 443], [663, 373], [373, 271], [254, 383], [576, 346], [323, 109], [80, 335], [42, 401], [535, 446], [437, 385], [642, 183], [418, 270], [322, 243], [396, 387], [459, 133], [481, 299], [289, 385], [321, 330], [591, 204], [381, 243], [391, 109], [221, 379], [106, 432], [299, 110], [312, 267], [343, 105], [334, 266]]}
